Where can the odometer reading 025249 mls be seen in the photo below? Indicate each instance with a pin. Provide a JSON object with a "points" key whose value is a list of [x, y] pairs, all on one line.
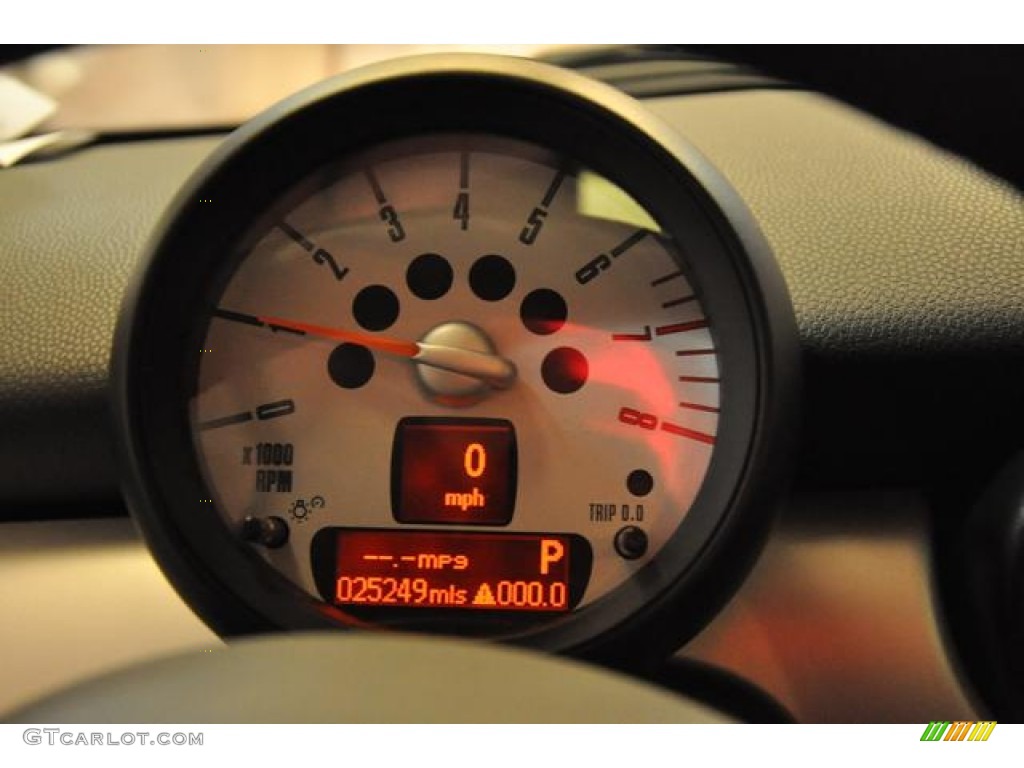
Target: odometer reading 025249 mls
{"points": [[410, 569]]}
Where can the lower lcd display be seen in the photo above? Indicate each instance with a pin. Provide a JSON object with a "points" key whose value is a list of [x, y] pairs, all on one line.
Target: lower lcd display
{"points": [[440, 569]]}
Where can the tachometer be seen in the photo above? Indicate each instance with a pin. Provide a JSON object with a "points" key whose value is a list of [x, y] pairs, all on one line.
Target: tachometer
{"points": [[459, 344]]}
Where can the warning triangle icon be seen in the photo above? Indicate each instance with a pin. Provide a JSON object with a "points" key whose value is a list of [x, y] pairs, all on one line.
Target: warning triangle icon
{"points": [[484, 596]]}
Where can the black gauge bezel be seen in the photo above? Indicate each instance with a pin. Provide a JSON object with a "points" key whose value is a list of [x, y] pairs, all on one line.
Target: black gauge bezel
{"points": [[669, 599]]}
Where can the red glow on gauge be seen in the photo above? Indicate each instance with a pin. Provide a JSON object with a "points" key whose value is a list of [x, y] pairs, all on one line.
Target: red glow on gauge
{"points": [[413, 569], [453, 471], [654, 401]]}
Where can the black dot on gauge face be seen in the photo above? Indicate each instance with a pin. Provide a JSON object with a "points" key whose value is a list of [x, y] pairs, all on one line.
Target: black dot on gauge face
{"points": [[429, 276], [492, 277], [350, 366], [375, 307], [543, 311], [564, 370], [639, 482]]}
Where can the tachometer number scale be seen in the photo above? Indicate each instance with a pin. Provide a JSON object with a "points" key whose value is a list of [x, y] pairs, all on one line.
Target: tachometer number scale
{"points": [[493, 366]]}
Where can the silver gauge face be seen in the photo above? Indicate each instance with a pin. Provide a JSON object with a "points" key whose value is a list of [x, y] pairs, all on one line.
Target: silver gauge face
{"points": [[457, 374]]}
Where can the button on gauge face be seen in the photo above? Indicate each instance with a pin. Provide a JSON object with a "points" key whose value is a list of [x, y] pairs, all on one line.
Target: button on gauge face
{"points": [[445, 360]]}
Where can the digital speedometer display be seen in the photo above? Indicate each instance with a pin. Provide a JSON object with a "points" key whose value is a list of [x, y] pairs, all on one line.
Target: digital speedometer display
{"points": [[459, 471]]}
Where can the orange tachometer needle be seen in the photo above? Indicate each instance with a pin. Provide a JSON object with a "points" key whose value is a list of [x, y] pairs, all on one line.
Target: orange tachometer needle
{"points": [[485, 366], [371, 340]]}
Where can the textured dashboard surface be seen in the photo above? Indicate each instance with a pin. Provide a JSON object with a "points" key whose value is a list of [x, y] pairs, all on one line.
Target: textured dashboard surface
{"points": [[889, 246], [73, 230]]}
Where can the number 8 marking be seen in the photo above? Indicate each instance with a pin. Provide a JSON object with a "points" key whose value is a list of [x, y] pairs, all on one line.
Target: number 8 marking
{"points": [[637, 418]]}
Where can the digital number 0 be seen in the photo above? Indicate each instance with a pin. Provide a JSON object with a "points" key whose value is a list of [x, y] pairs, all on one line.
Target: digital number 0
{"points": [[475, 460]]}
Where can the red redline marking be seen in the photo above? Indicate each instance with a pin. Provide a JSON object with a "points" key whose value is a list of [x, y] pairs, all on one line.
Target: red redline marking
{"points": [[645, 336], [675, 429], [699, 407], [700, 379], [693, 325]]}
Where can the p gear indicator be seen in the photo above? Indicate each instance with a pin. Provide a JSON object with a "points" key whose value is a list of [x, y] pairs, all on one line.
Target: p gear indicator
{"points": [[431, 569], [453, 470]]}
